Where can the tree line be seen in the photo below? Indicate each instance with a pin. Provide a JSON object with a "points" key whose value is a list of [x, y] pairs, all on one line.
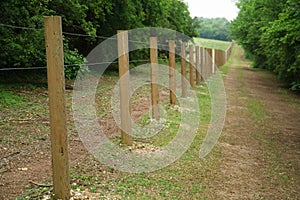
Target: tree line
{"points": [[215, 28], [269, 31], [26, 48]]}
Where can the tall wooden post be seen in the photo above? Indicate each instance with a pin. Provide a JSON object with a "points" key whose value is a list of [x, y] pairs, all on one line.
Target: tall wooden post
{"points": [[192, 67], [198, 74], [227, 54], [56, 88], [124, 87], [202, 63], [208, 62], [183, 70], [172, 71], [213, 58], [205, 63], [154, 77]]}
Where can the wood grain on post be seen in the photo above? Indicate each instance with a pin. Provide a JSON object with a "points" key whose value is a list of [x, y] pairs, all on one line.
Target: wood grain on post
{"points": [[56, 88], [154, 77], [202, 62], [198, 74], [172, 72], [124, 87], [183, 70], [192, 67], [205, 63], [209, 62]]}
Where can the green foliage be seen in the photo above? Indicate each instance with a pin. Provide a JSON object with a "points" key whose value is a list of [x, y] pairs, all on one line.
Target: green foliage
{"points": [[74, 59], [215, 28], [269, 31], [26, 48]]}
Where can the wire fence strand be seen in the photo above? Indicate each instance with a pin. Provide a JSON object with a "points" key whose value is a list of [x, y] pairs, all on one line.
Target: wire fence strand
{"points": [[77, 35]]}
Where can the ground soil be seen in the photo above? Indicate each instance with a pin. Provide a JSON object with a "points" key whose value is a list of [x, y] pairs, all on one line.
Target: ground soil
{"points": [[260, 156]]}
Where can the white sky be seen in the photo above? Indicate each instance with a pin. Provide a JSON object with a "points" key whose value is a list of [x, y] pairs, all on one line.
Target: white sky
{"points": [[213, 8]]}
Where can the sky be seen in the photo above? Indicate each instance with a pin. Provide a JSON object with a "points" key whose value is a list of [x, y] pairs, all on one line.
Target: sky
{"points": [[213, 8]]}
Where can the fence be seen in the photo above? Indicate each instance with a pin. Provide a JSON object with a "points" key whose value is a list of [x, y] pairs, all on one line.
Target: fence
{"points": [[199, 62]]}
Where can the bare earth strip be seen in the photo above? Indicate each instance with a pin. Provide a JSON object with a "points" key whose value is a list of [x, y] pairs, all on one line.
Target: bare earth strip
{"points": [[260, 140]]}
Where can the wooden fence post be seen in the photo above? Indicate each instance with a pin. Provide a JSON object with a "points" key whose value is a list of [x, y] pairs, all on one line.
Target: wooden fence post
{"points": [[213, 58], [192, 67], [124, 87], [205, 63], [183, 70], [56, 88], [227, 54], [209, 61], [154, 77], [172, 72], [202, 63], [198, 74]]}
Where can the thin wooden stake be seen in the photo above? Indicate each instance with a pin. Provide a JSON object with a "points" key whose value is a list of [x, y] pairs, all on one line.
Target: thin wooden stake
{"points": [[154, 77], [192, 67], [172, 72], [124, 87], [183, 70], [56, 88], [198, 74]]}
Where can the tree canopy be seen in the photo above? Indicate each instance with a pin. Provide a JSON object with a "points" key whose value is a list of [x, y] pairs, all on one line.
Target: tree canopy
{"points": [[214, 28], [26, 48], [269, 31]]}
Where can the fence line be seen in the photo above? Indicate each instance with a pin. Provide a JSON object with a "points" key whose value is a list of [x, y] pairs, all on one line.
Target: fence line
{"points": [[55, 70], [76, 34]]}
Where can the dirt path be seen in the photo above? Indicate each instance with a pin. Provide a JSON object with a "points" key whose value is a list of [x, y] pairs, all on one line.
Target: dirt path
{"points": [[261, 138]]}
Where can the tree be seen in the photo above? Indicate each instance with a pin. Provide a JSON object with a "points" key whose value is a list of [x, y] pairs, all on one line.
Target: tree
{"points": [[269, 31], [26, 48], [215, 28]]}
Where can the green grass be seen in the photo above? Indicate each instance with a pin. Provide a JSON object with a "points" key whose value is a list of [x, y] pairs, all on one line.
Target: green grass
{"points": [[214, 44], [9, 98], [256, 108], [173, 182], [184, 179]]}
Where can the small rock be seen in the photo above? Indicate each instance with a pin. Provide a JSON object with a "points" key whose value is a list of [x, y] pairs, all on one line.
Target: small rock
{"points": [[23, 169]]}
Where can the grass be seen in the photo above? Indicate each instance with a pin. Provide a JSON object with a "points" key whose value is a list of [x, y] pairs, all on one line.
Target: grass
{"points": [[9, 98], [173, 182], [183, 179], [256, 108], [214, 44]]}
